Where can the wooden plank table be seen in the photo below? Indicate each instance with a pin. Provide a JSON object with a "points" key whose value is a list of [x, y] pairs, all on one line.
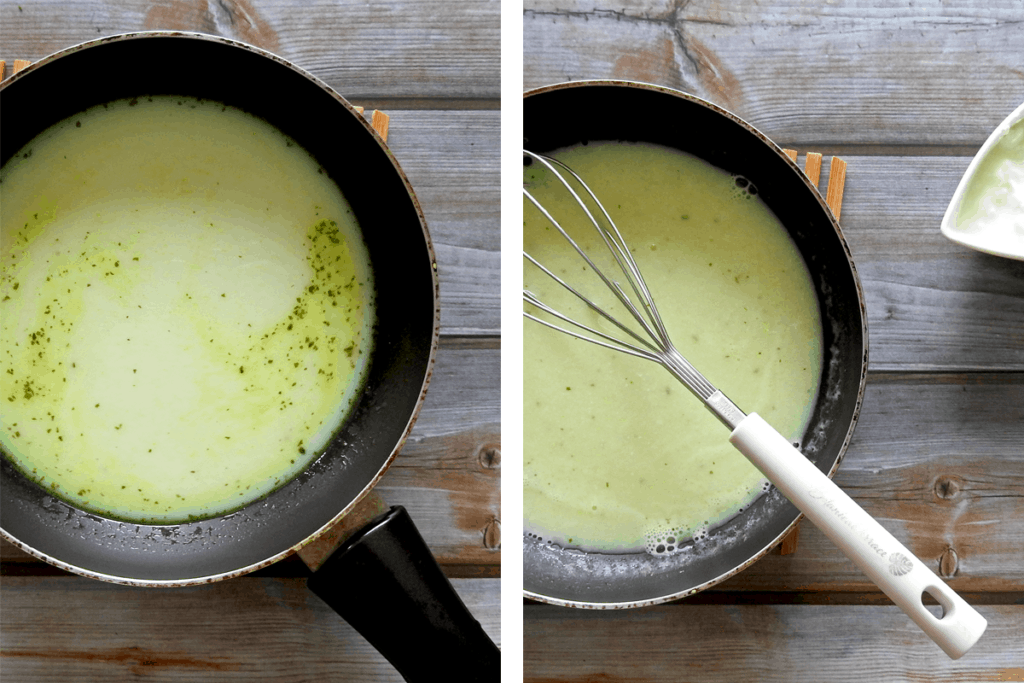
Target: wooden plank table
{"points": [[906, 96], [433, 66]]}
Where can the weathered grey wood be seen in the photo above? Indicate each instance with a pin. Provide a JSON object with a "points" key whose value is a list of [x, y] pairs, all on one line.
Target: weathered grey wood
{"points": [[682, 643], [905, 95], [434, 68], [932, 304], [246, 629], [939, 462], [430, 50], [452, 161], [820, 73], [448, 475]]}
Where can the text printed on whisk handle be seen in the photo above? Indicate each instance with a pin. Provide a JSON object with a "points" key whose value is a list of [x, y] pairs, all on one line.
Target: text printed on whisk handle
{"points": [[899, 564]]}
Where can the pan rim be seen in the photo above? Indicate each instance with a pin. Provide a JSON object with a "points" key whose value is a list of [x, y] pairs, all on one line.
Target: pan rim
{"points": [[677, 595], [429, 363]]}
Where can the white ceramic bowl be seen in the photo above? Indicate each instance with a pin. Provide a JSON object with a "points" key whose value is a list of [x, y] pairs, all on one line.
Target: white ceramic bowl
{"points": [[1002, 239]]}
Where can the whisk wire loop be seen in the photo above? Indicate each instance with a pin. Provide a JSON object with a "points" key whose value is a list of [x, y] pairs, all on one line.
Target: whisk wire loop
{"points": [[651, 322], [658, 346], [532, 299]]}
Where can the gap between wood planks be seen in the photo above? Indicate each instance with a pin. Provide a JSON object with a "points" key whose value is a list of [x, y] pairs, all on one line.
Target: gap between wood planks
{"points": [[877, 598], [392, 103], [436, 103], [288, 568], [984, 376], [863, 149]]}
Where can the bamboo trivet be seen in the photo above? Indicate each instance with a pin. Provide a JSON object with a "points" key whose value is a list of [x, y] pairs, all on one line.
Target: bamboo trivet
{"points": [[378, 121], [836, 177], [834, 200], [16, 66]]}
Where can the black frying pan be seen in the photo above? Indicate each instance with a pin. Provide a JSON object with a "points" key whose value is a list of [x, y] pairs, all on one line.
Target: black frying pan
{"points": [[388, 552], [574, 113]]}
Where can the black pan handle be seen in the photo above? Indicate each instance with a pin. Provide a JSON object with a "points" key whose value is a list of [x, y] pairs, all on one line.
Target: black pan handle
{"points": [[386, 584]]}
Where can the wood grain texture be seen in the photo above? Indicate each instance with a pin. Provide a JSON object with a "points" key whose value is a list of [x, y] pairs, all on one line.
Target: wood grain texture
{"points": [[452, 160], [880, 74], [429, 50], [938, 461], [448, 475], [932, 304], [905, 95], [433, 67], [246, 629], [683, 643]]}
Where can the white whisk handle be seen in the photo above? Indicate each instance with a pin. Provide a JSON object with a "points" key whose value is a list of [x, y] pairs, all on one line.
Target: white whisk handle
{"points": [[893, 568]]}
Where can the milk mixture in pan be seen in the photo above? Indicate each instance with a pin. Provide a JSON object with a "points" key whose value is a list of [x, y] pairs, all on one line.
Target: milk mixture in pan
{"points": [[618, 455], [186, 308]]}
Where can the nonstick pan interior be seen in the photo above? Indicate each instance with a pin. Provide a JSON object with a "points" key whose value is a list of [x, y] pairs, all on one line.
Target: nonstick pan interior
{"points": [[405, 337], [576, 113]]}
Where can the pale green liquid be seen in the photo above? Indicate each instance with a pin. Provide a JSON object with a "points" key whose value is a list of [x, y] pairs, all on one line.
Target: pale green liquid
{"points": [[992, 209], [185, 309], [618, 455]]}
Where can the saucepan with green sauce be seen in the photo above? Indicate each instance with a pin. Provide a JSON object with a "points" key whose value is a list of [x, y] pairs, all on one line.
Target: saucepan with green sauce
{"points": [[633, 494], [218, 320]]}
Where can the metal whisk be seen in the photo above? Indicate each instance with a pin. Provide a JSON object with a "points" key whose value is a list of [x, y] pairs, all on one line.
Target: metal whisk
{"points": [[886, 561], [656, 346]]}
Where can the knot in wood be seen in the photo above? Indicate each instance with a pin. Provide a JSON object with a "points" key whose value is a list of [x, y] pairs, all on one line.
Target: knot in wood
{"points": [[492, 535], [949, 563], [948, 487], [489, 456]]}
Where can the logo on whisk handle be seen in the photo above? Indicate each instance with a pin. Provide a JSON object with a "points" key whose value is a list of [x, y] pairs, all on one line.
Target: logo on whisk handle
{"points": [[899, 564]]}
